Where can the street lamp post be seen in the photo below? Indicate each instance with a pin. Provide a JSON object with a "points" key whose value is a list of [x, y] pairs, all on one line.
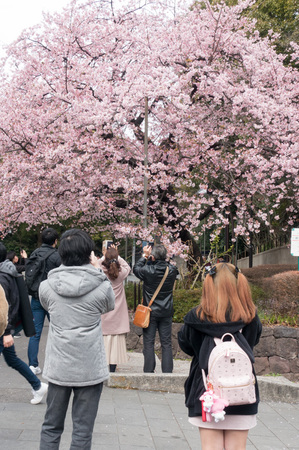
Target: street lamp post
{"points": [[145, 163]]}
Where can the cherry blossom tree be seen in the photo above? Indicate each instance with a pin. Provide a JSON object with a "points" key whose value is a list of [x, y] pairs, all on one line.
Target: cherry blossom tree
{"points": [[223, 122]]}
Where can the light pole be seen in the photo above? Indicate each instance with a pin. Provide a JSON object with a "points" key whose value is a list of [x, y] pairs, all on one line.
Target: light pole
{"points": [[145, 163]]}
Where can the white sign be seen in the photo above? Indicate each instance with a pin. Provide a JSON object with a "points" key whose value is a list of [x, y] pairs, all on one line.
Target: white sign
{"points": [[295, 242]]}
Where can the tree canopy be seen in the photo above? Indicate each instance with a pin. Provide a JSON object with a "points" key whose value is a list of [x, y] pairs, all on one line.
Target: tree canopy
{"points": [[223, 122], [275, 16]]}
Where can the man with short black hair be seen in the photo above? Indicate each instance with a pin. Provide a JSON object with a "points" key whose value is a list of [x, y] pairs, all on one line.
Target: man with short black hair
{"points": [[151, 269], [46, 250], [75, 294]]}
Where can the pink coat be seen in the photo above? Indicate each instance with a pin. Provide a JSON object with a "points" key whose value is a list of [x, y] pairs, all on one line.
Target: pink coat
{"points": [[117, 321]]}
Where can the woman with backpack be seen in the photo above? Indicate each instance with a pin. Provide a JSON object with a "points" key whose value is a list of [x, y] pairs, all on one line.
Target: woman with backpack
{"points": [[226, 308]]}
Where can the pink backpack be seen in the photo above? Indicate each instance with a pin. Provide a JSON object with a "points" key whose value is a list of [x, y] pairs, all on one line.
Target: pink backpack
{"points": [[230, 373]]}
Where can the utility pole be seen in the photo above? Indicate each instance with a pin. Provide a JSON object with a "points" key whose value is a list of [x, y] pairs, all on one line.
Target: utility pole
{"points": [[145, 163]]}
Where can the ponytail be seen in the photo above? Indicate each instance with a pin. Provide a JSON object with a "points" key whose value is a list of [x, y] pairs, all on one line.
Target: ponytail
{"points": [[111, 263]]}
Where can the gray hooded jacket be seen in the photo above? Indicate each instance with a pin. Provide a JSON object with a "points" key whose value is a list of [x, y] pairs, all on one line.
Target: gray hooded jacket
{"points": [[75, 298]]}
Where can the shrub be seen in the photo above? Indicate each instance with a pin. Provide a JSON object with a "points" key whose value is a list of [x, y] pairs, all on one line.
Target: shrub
{"points": [[282, 297], [258, 273], [183, 301], [258, 294]]}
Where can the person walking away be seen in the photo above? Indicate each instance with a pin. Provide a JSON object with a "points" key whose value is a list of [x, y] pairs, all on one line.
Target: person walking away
{"points": [[75, 294], [226, 307], [150, 268], [8, 275], [48, 252], [116, 324]]}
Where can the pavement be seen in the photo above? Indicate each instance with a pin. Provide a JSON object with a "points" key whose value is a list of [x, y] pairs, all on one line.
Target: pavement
{"points": [[142, 412]]}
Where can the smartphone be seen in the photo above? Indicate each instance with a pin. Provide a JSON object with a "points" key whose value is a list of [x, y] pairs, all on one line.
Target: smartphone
{"points": [[145, 243], [107, 244]]}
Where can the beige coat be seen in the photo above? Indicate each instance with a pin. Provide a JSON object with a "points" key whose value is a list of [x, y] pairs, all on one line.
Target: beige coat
{"points": [[3, 311]]}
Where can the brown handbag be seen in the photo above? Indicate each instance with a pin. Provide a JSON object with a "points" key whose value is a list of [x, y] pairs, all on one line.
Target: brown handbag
{"points": [[142, 313]]}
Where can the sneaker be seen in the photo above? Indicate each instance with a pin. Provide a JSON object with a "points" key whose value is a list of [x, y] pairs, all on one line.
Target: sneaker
{"points": [[39, 394], [36, 370]]}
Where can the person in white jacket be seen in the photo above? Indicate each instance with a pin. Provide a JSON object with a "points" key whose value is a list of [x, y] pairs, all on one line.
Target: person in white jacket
{"points": [[75, 295]]}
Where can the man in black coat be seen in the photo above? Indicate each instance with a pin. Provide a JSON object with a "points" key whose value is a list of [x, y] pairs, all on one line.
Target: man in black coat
{"points": [[49, 251], [150, 269]]}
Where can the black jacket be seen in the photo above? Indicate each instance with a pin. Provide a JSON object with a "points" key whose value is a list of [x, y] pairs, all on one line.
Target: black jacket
{"points": [[53, 260], [8, 275], [151, 273], [196, 338]]}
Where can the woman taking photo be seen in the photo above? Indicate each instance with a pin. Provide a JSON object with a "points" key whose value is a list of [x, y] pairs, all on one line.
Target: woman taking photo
{"points": [[226, 307], [115, 324]]}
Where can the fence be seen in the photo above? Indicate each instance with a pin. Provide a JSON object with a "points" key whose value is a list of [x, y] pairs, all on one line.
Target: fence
{"points": [[137, 294]]}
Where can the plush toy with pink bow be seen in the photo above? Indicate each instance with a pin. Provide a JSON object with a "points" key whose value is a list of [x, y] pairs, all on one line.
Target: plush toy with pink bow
{"points": [[212, 406]]}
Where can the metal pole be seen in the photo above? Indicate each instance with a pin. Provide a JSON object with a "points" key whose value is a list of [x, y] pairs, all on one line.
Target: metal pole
{"points": [[250, 250], [133, 252], [145, 162], [227, 242], [126, 240], [236, 259], [204, 238]]}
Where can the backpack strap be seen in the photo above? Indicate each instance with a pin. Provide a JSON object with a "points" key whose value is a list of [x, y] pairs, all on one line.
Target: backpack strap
{"points": [[50, 253], [204, 379]]}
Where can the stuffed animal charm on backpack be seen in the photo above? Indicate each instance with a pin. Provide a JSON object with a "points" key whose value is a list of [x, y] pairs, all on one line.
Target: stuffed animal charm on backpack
{"points": [[212, 407]]}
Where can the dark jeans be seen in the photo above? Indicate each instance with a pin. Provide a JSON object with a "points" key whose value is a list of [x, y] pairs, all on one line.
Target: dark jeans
{"points": [[12, 360], [39, 315], [84, 411], [164, 326]]}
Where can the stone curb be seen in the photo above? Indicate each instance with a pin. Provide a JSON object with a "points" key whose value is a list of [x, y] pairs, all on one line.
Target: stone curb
{"points": [[278, 389], [271, 388]]}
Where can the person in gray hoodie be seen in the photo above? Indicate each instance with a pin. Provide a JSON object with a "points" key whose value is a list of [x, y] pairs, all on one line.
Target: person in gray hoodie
{"points": [[75, 295]]}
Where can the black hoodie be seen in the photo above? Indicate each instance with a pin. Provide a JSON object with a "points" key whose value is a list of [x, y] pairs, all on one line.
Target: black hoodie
{"points": [[196, 338], [8, 275]]}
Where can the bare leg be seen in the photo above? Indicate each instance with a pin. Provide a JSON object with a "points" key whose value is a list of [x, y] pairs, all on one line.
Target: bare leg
{"points": [[235, 439], [211, 439]]}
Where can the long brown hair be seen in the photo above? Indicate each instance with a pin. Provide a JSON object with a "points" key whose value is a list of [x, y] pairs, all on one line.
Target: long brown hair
{"points": [[111, 263], [226, 296]]}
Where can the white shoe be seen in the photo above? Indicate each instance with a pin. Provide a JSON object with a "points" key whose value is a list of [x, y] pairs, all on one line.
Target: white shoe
{"points": [[39, 394], [36, 370]]}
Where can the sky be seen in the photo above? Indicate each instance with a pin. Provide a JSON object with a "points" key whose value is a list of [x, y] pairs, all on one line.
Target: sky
{"points": [[16, 15]]}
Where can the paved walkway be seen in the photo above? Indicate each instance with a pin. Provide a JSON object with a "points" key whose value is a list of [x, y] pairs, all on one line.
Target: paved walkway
{"points": [[132, 419]]}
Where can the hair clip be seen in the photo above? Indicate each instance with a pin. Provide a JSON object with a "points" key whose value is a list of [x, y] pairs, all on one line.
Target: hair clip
{"points": [[212, 271]]}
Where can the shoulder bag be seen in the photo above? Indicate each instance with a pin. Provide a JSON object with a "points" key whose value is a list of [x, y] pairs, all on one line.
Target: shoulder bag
{"points": [[142, 314]]}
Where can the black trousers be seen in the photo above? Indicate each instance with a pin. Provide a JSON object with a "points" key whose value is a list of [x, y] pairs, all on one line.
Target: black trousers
{"points": [[164, 327]]}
